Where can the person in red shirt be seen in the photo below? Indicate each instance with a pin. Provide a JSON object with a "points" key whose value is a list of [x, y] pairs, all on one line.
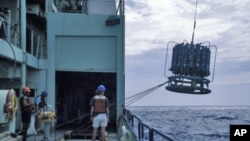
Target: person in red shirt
{"points": [[27, 107]]}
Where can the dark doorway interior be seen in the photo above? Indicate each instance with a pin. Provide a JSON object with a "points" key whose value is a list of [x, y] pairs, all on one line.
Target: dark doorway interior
{"points": [[73, 93]]}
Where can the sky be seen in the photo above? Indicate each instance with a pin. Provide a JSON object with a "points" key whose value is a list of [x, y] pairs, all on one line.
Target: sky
{"points": [[151, 24]]}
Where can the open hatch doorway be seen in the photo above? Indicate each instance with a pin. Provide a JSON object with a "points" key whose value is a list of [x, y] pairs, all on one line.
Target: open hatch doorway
{"points": [[74, 91]]}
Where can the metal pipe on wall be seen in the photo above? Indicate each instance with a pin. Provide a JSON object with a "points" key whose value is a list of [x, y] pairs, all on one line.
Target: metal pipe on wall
{"points": [[23, 42]]}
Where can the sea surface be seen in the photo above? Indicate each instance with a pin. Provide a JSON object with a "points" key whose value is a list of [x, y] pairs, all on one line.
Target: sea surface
{"points": [[193, 123]]}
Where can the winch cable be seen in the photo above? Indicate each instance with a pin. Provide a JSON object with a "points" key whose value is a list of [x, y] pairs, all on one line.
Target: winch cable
{"points": [[131, 99], [137, 94], [194, 22]]}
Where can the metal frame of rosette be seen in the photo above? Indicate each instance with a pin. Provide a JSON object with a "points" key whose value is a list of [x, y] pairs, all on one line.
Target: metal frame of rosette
{"points": [[190, 67]]}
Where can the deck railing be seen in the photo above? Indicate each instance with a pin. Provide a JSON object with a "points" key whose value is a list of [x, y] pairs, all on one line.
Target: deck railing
{"points": [[130, 134], [144, 131]]}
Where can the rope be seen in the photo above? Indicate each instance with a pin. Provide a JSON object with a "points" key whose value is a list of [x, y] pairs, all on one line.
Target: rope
{"points": [[65, 123], [138, 96], [12, 101]]}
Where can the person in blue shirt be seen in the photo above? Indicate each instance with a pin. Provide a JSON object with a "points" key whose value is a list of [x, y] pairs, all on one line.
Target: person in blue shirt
{"points": [[40, 103]]}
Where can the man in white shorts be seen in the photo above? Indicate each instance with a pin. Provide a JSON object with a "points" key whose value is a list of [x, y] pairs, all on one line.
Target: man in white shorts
{"points": [[99, 112]]}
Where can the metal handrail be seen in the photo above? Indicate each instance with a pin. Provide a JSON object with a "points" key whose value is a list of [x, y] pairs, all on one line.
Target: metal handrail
{"points": [[151, 134], [130, 134], [141, 134], [141, 128]]}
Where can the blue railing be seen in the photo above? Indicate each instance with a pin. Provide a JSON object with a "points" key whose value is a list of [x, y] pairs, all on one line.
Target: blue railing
{"points": [[144, 132]]}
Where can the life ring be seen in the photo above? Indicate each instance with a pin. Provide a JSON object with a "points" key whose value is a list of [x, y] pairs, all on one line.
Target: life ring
{"points": [[11, 105]]}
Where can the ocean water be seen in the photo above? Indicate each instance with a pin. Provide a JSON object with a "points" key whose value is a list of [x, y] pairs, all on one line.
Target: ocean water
{"points": [[193, 123]]}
